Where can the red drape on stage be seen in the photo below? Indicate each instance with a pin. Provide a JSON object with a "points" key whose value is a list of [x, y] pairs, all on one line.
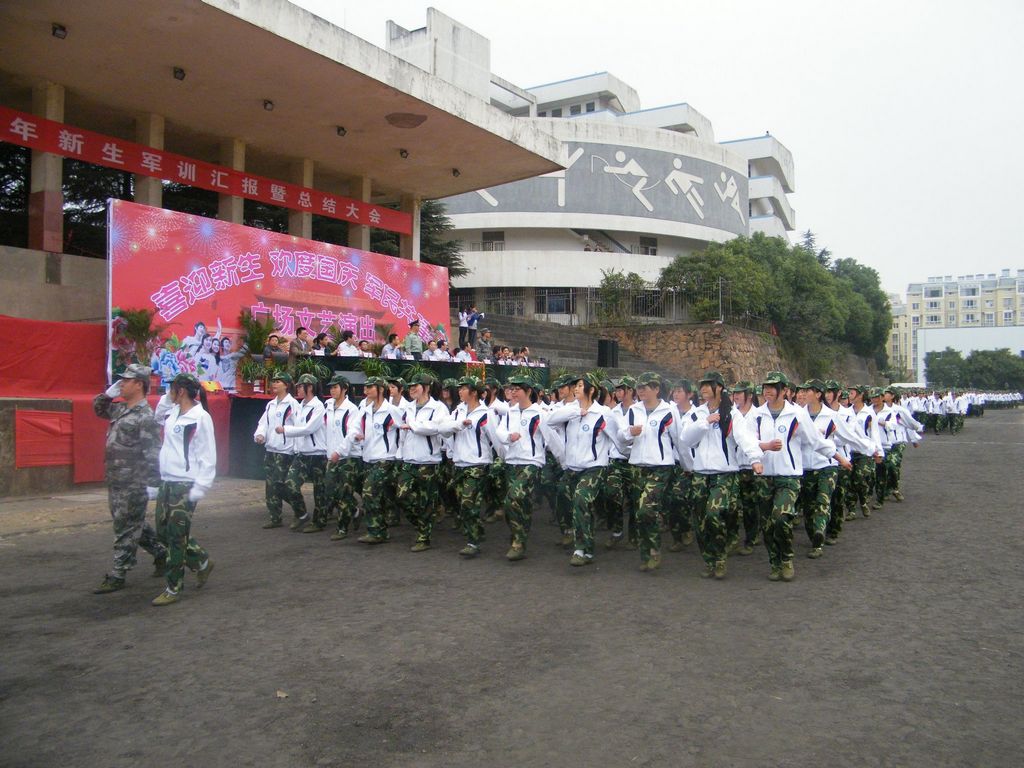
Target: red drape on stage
{"points": [[46, 359], [42, 439]]}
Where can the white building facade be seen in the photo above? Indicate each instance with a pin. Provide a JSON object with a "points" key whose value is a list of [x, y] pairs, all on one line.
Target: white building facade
{"points": [[639, 188]]}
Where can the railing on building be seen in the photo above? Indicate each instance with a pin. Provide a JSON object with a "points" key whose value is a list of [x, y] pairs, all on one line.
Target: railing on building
{"points": [[490, 245]]}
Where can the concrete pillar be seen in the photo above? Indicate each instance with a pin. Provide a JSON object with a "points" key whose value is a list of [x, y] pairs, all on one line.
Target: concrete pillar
{"points": [[409, 245], [529, 302], [229, 207], [149, 130], [46, 197], [301, 224], [358, 235]]}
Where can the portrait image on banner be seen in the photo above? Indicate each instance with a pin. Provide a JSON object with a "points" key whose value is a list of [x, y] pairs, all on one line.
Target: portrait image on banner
{"points": [[197, 274]]}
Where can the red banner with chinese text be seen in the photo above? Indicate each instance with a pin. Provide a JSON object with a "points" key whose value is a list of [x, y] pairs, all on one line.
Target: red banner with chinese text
{"points": [[28, 130], [199, 273]]}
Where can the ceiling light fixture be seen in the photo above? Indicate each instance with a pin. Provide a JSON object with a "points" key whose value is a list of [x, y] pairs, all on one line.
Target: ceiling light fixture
{"points": [[59, 31], [179, 73], [341, 130], [403, 153], [268, 105]]}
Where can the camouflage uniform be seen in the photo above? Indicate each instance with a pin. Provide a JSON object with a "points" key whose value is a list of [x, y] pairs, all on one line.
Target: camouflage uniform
{"points": [[777, 509], [173, 527], [841, 504], [619, 497], [680, 504], [497, 482], [816, 490], [471, 485], [275, 471], [861, 481], [748, 504], [713, 496], [132, 463], [652, 485], [303, 469], [584, 488], [550, 482], [897, 466], [416, 493], [522, 478], [378, 496], [341, 481], [563, 503]]}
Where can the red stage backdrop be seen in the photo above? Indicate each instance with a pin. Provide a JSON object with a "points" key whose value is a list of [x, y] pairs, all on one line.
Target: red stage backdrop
{"points": [[198, 273]]}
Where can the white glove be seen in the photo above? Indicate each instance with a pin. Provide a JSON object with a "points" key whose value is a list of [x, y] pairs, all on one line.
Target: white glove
{"points": [[195, 494], [113, 390], [152, 492]]}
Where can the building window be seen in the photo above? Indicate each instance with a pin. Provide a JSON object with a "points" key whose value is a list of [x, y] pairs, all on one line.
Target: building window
{"points": [[555, 301], [915, 320], [590, 106], [556, 112], [1007, 303], [932, 305], [542, 114], [952, 305], [649, 246], [988, 318], [575, 109], [989, 303], [932, 319], [970, 303], [969, 291], [915, 305], [933, 293], [492, 241], [1008, 318], [970, 317], [952, 320]]}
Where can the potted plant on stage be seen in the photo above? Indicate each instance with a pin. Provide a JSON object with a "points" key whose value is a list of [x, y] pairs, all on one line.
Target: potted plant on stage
{"points": [[312, 365], [135, 338], [250, 373], [252, 368]]}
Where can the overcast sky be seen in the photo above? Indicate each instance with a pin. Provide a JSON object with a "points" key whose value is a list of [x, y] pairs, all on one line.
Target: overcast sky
{"points": [[905, 119]]}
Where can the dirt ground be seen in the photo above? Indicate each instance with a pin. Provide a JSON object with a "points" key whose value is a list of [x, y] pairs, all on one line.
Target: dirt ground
{"points": [[901, 647]]}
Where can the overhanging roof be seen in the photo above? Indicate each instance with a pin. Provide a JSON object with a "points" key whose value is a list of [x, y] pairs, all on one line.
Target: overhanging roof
{"points": [[118, 58]]}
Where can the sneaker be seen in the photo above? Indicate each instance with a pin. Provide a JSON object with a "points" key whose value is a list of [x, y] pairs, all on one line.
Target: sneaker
{"points": [[708, 572], [165, 598], [878, 504], [817, 539], [577, 559], [614, 541], [675, 546], [516, 552], [567, 540], [470, 550], [203, 575], [733, 546], [296, 525], [490, 519], [815, 553], [339, 535], [368, 539], [746, 549], [688, 538], [719, 572], [109, 584], [653, 563], [775, 574], [897, 496], [849, 516], [313, 528], [159, 567], [420, 546], [272, 524], [866, 509], [831, 540], [787, 570]]}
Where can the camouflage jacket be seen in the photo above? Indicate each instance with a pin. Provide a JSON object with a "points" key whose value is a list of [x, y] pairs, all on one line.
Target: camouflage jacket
{"points": [[133, 442]]}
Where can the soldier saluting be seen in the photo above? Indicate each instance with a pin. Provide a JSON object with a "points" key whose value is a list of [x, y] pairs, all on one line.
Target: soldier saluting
{"points": [[132, 472]]}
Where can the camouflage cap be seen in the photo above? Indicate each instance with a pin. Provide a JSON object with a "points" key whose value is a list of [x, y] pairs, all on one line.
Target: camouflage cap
{"points": [[712, 377], [816, 384], [844, 394], [608, 385], [423, 379], [874, 392], [743, 386], [185, 380], [648, 378], [890, 390], [626, 382], [396, 380], [561, 381], [376, 381], [450, 383], [831, 385], [281, 376], [136, 371], [776, 378], [472, 382], [338, 379], [521, 381], [308, 378]]}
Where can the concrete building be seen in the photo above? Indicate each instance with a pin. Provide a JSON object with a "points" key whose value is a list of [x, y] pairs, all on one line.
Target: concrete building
{"points": [[639, 187], [259, 86], [973, 305]]}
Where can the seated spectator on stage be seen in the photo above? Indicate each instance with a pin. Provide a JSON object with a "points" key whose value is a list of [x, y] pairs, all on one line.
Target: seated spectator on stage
{"points": [[431, 350], [391, 351], [347, 347], [301, 345], [364, 349], [271, 346], [319, 345], [465, 355], [442, 354], [483, 348]]}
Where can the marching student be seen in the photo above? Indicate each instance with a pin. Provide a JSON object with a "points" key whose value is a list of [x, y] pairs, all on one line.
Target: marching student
{"points": [[720, 438], [745, 401], [556, 438], [782, 430], [310, 459], [618, 495], [377, 432], [863, 478], [525, 456], [280, 449], [588, 437], [188, 466], [903, 428], [842, 498], [680, 494], [651, 429], [418, 484], [344, 462]]}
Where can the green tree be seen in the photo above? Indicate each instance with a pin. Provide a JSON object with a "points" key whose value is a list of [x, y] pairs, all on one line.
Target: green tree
{"points": [[995, 369], [14, 185], [616, 293], [436, 244], [945, 369]]}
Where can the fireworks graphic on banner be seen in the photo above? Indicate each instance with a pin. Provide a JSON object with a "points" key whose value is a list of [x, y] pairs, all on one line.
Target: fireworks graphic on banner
{"points": [[208, 238]]}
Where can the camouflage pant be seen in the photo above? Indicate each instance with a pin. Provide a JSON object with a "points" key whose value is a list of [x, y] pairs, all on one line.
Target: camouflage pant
{"points": [[522, 479], [584, 489], [680, 503], [173, 528], [378, 496], [896, 469], [748, 505], [816, 491], [448, 497], [307, 468], [652, 484], [416, 491], [778, 508], [275, 469], [862, 479], [563, 502], [713, 497], [471, 487], [550, 480], [956, 423], [841, 503], [341, 480], [497, 481], [619, 496], [128, 511]]}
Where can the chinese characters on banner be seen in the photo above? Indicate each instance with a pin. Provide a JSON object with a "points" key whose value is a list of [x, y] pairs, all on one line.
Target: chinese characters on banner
{"points": [[37, 133], [199, 273]]}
